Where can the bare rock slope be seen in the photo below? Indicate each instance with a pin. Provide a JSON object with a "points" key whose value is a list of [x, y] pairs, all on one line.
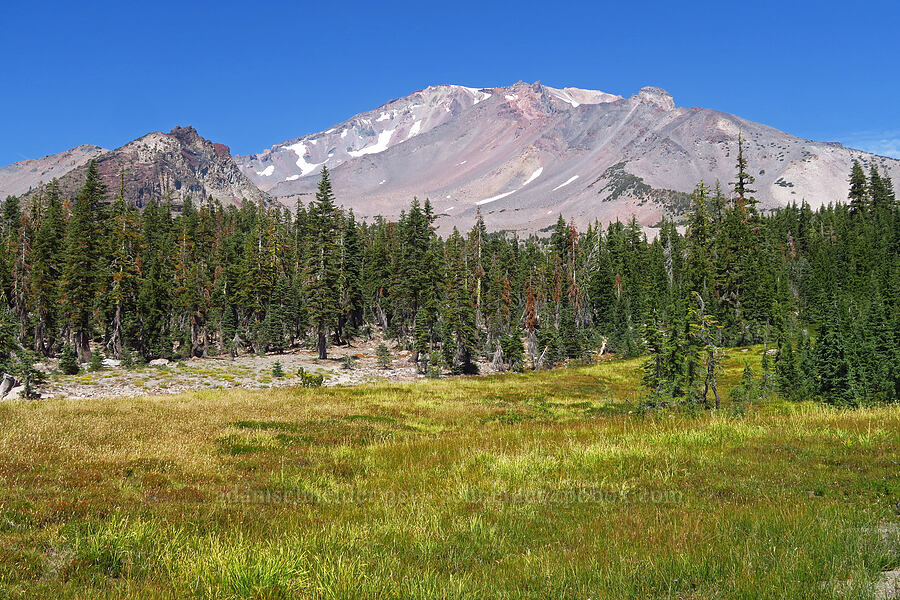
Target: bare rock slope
{"points": [[523, 154], [21, 177]]}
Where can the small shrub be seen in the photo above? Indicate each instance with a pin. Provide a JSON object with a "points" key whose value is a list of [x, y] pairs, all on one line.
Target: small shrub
{"points": [[309, 380], [96, 363], [749, 389], [435, 365], [513, 352], [30, 376], [383, 356], [277, 370], [348, 363], [68, 361]]}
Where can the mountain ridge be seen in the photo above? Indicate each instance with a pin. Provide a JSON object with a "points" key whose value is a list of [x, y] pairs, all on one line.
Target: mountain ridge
{"points": [[524, 153], [180, 164], [519, 155]]}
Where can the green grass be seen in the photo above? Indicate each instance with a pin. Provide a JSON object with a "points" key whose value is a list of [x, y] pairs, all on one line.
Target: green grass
{"points": [[539, 485]]}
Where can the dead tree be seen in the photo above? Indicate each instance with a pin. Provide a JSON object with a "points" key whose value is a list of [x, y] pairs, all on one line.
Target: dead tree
{"points": [[706, 329]]}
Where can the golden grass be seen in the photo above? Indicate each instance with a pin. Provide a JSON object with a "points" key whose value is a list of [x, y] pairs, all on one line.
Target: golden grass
{"points": [[539, 485]]}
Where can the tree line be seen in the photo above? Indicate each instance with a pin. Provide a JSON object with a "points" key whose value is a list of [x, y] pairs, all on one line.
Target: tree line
{"points": [[820, 287]]}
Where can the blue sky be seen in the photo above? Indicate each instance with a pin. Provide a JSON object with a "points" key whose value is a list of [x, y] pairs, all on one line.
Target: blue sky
{"points": [[253, 74]]}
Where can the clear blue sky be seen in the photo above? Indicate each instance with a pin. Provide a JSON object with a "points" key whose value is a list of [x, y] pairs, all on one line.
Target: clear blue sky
{"points": [[253, 74]]}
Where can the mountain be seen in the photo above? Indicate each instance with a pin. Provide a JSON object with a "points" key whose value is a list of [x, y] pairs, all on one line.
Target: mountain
{"points": [[179, 162], [523, 154], [21, 177]]}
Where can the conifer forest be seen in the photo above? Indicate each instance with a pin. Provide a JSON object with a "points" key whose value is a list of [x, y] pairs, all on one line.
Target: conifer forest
{"points": [[821, 289]]}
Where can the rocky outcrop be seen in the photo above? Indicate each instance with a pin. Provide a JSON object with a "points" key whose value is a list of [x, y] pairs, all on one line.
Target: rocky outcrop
{"points": [[178, 164]]}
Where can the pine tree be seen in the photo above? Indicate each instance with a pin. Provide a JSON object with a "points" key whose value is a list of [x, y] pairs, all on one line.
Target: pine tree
{"points": [[832, 368], [383, 356], [859, 193], [460, 337], [698, 266], [743, 193], [322, 271], [125, 242], [81, 270], [154, 289], [46, 270], [68, 361]]}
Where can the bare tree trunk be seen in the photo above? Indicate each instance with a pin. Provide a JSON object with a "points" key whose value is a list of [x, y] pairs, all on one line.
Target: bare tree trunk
{"points": [[497, 361], [39, 347], [322, 344], [82, 343], [115, 339], [531, 348]]}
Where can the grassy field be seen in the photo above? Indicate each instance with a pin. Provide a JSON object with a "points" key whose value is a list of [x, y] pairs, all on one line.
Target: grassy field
{"points": [[547, 485]]}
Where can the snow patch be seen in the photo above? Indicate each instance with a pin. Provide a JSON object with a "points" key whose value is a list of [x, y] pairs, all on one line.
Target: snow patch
{"points": [[414, 130], [461, 163], [305, 167], [564, 96], [267, 171], [381, 145], [382, 117], [493, 198], [477, 95], [292, 178], [570, 180], [534, 176], [452, 207], [512, 96], [344, 133], [382, 182]]}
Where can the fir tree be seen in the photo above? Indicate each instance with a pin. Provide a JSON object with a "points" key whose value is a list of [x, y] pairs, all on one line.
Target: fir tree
{"points": [[322, 272], [46, 270], [68, 361], [81, 269], [859, 193]]}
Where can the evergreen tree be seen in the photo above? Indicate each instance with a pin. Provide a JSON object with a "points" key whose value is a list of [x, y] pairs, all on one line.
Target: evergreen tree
{"points": [[322, 272], [46, 270], [460, 337], [859, 193], [832, 369], [81, 269]]}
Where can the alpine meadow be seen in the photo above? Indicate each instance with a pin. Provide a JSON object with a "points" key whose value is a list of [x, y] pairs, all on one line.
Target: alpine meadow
{"points": [[512, 342]]}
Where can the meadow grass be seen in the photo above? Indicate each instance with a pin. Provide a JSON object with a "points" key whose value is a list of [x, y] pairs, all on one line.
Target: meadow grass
{"points": [[538, 485]]}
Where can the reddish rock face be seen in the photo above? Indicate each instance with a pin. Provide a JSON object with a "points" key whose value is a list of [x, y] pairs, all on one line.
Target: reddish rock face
{"points": [[177, 165]]}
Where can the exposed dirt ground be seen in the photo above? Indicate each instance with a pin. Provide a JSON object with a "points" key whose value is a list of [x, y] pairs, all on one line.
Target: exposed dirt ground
{"points": [[221, 372]]}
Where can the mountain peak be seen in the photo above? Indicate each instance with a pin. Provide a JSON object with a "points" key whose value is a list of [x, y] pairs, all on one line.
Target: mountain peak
{"points": [[656, 96], [180, 163]]}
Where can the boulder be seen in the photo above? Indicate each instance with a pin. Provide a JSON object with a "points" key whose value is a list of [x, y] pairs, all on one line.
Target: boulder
{"points": [[17, 393], [7, 384], [159, 362], [111, 362]]}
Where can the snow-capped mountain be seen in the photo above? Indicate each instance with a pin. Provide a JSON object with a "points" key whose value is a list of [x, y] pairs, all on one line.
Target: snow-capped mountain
{"points": [[523, 154], [520, 155]]}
